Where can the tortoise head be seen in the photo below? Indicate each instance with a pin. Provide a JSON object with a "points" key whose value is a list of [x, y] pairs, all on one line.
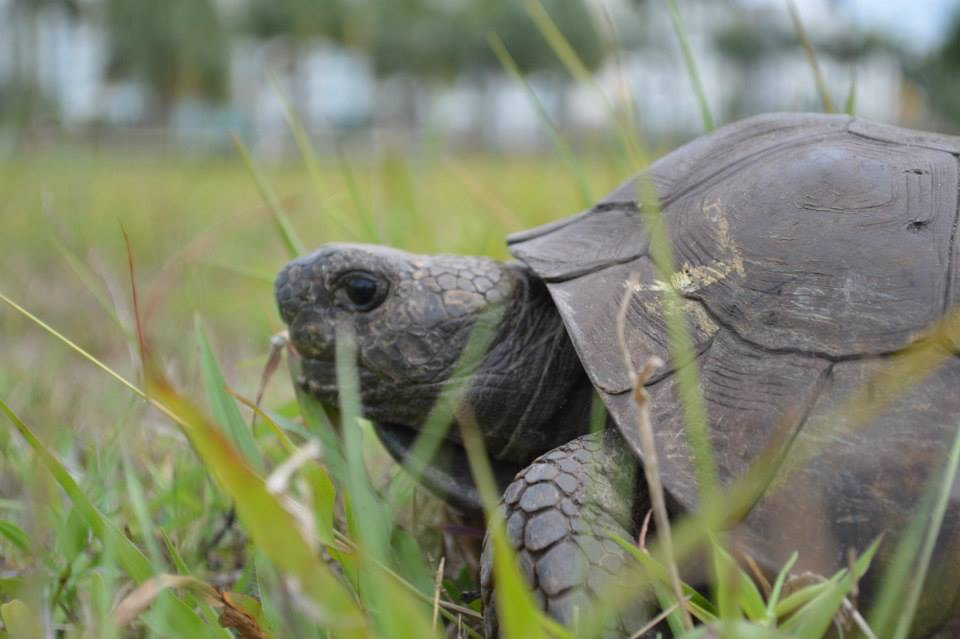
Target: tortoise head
{"points": [[412, 317]]}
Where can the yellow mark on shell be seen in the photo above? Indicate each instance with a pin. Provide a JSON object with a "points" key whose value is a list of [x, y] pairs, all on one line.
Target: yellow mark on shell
{"points": [[692, 278], [689, 279], [699, 315], [713, 211], [694, 309]]}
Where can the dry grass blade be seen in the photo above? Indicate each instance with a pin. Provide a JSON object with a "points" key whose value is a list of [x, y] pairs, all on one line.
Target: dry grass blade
{"points": [[288, 445], [76, 347], [858, 620], [277, 344], [644, 529], [243, 615], [444, 605], [825, 98], [138, 601], [758, 575], [279, 480], [650, 464], [438, 584], [287, 234], [692, 70], [302, 139], [607, 29], [666, 612], [141, 342], [563, 147], [568, 56]]}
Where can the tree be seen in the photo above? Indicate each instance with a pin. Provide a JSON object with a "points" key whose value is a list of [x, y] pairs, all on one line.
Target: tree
{"points": [[296, 19], [177, 48], [428, 37], [442, 39]]}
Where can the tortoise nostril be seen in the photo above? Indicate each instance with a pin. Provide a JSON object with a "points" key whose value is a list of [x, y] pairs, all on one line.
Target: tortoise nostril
{"points": [[292, 290]]}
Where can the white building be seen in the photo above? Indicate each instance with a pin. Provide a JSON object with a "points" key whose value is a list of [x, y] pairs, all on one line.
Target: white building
{"points": [[331, 87]]}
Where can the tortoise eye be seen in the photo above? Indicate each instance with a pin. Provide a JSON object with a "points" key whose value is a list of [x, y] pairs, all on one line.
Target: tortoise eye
{"points": [[363, 291]]}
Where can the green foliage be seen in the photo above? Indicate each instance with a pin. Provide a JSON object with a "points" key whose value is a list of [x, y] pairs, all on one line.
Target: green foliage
{"points": [[425, 37], [297, 19]]}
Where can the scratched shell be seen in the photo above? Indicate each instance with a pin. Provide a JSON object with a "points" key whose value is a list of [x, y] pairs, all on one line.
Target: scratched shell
{"points": [[810, 254]]}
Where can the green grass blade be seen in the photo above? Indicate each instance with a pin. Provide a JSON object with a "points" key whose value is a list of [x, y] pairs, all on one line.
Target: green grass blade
{"points": [[21, 621], [725, 586], [282, 223], [270, 420], [774, 597], [272, 527], [16, 536], [569, 58], [909, 604], [798, 599], [681, 344], [305, 146], [324, 495], [76, 347], [736, 592], [128, 556], [222, 404], [396, 614], [653, 571], [374, 533], [814, 618], [353, 188], [850, 106], [822, 89], [899, 572], [559, 142], [677, 19], [441, 415], [300, 135], [141, 512], [320, 426], [89, 282], [518, 614], [819, 604]]}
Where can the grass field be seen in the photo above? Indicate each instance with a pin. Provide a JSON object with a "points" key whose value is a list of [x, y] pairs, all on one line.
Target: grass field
{"points": [[205, 245], [153, 508]]}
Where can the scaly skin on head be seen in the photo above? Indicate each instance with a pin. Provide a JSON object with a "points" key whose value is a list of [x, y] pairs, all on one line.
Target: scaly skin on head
{"points": [[412, 316]]}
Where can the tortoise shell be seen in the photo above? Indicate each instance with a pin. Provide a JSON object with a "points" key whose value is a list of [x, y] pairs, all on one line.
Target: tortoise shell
{"points": [[814, 254]]}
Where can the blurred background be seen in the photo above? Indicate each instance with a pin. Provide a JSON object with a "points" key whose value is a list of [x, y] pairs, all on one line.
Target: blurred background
{"points": [[188, 73]]}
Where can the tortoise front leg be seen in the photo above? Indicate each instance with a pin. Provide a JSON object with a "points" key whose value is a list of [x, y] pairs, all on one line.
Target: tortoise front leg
{"points": [[560, 512]]}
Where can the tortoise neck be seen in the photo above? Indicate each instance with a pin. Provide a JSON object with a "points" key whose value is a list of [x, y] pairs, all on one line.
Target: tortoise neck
{"points": [[533, 393]]}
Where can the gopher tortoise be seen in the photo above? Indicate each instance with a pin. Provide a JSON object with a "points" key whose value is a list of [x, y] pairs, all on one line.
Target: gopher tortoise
{"points": [[815, 257]]}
